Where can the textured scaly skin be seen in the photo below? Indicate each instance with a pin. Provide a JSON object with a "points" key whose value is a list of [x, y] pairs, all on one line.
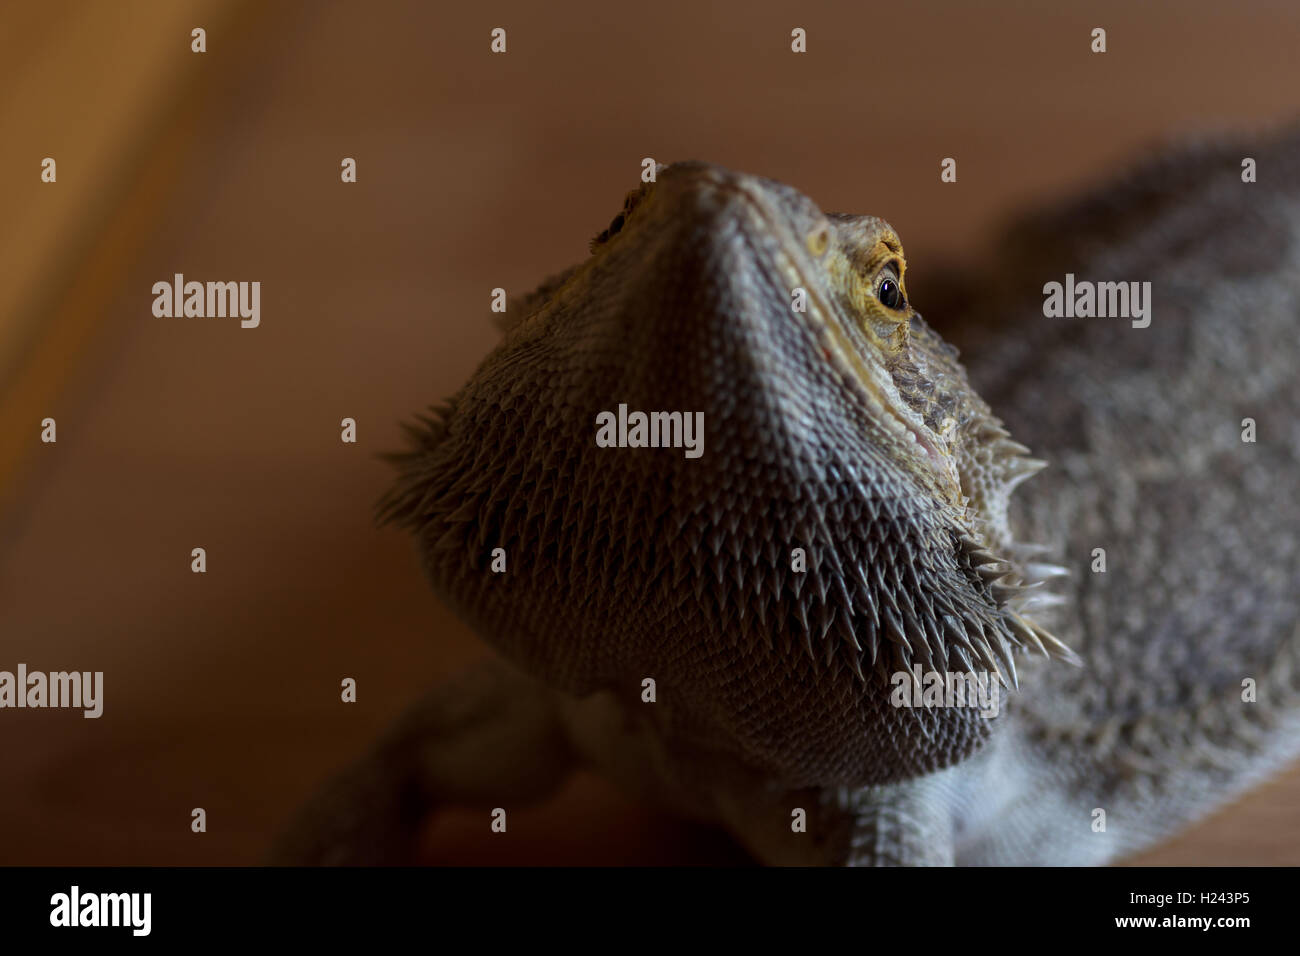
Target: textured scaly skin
{"points": [[851, 431], [1143, 430]]}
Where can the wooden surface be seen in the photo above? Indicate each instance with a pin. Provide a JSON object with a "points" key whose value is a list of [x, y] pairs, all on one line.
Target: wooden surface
{"points": [[474, 172]]}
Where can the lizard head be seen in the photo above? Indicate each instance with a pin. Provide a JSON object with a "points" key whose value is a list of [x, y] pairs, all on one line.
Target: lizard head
{"points": [[845, 519]]}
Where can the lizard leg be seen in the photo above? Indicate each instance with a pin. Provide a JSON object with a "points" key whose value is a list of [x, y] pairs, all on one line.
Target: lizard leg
{"points": [[490, 735], [905, 824]]}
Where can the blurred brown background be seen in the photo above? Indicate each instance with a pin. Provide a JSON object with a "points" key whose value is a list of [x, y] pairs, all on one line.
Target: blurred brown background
{"points": [[475, 171]]}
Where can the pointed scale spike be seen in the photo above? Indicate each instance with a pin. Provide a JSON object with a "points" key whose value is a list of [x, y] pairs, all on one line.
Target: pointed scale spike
{"points": [[957, 637], [1025, 469], [1025, 633], [986, 655], [991, 429], [1055, 648], [1002, 648], [921, 649], [1002, 593], [894, 630], [848, 636], [855, 661], [919, 718], [802, 611], [935, 634], [1041, 570], [1044, 599], [1011, 446]]}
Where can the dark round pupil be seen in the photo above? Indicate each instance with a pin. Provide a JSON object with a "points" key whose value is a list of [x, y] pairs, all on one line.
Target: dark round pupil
{"points": [[890, 295]]}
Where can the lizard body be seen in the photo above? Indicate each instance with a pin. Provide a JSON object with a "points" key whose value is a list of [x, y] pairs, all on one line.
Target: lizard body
{"points": [[849, 431]]}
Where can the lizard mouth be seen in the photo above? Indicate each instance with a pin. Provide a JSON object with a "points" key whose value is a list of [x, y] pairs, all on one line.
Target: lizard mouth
{"points": [[904, 434], [936, 457], [867, 377], [873, 373], [916, 434]]}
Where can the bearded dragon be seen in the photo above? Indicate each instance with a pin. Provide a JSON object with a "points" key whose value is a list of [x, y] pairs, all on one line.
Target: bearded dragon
{"points": [[651, 611]]}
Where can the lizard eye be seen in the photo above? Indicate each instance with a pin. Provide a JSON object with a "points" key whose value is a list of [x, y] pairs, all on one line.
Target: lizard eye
{"points": [[889, 292]]}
